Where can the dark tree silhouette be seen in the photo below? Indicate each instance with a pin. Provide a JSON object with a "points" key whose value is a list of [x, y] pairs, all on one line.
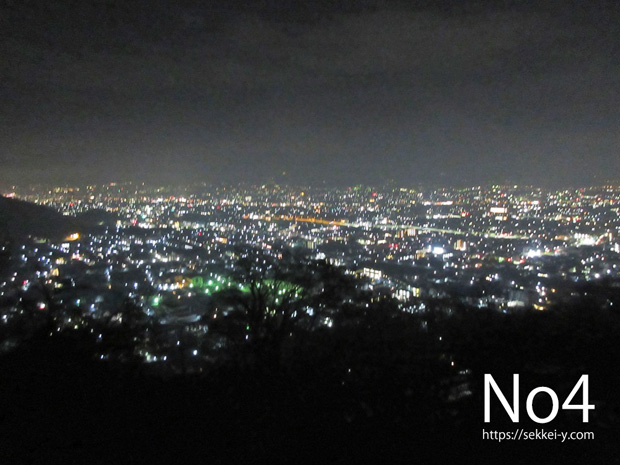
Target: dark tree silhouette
{"points": [[280, 301]]}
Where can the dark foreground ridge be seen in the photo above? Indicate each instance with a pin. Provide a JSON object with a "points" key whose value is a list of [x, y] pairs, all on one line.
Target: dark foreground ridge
{"points": [[19, 219], [357, 396]]}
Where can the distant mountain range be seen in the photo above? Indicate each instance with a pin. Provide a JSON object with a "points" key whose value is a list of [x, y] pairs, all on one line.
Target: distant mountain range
{"points": [[19, 219]]}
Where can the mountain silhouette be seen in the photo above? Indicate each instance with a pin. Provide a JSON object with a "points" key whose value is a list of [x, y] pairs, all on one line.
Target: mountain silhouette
{"points": [[20, 219]]}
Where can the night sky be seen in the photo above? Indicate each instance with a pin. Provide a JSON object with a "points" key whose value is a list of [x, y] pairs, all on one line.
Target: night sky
{"points": [[454, 93]]}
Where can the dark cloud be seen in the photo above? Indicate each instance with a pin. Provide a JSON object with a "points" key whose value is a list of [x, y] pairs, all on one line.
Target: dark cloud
{"points": [[337, 91]]}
